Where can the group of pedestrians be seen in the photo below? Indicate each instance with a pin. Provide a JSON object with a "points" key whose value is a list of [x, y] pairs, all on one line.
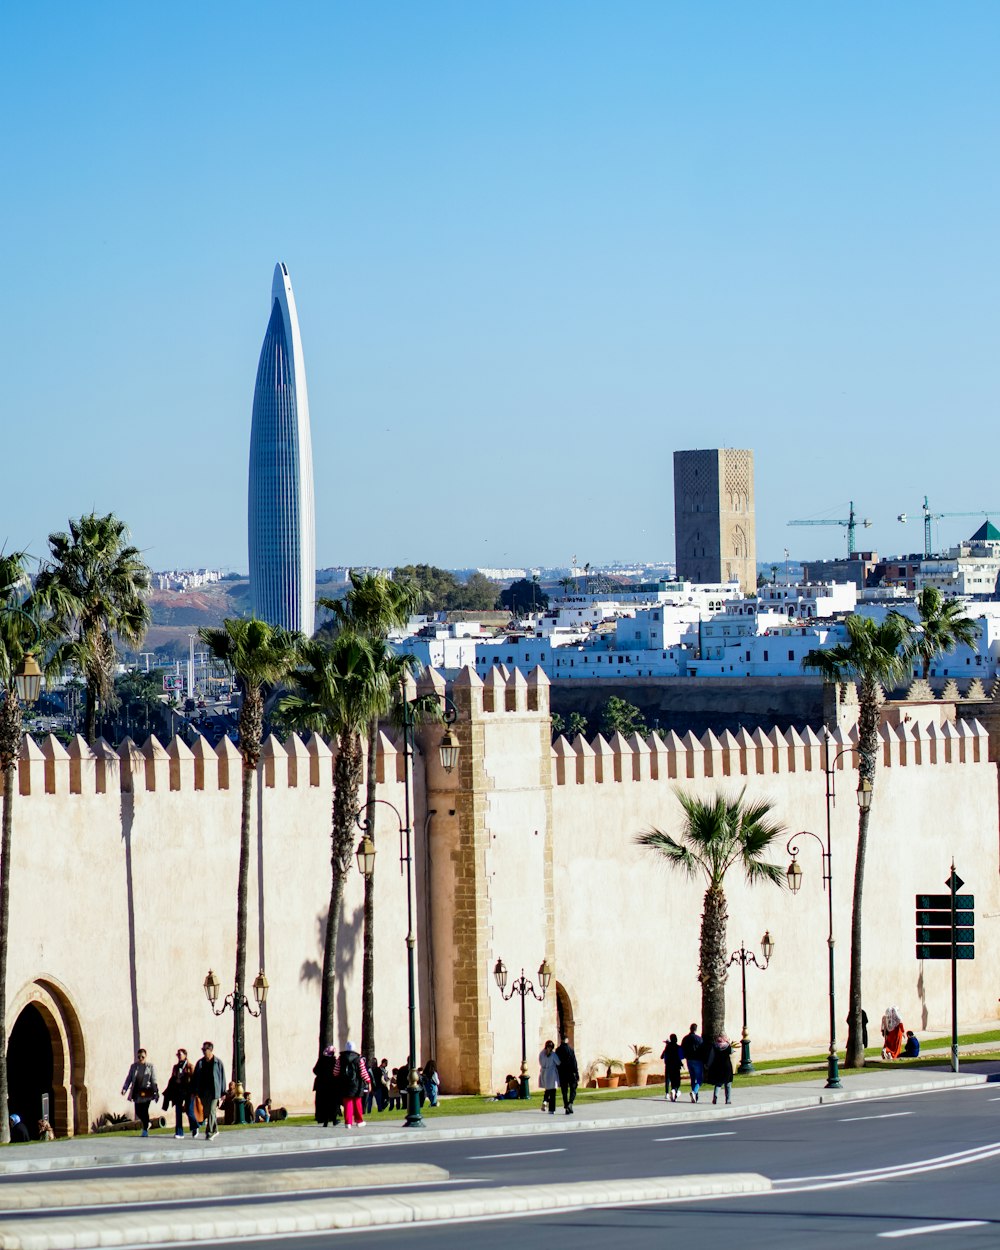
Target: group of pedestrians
{"points": [[557, 1069], [193, 1090], [709, 1061], [346, 1084]]}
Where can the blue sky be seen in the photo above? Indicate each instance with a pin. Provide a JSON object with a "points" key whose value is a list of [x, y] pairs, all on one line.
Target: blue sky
{"points": [[536, 247]]}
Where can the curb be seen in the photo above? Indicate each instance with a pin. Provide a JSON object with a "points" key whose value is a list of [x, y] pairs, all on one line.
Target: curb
{"points": [[34, 1160], [131, 1190], [379, 1211]]}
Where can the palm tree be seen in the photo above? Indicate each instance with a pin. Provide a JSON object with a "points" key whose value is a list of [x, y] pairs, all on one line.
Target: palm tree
{"points": [[16, 636], [943, 628], [257, 655], [373, 606], [338, 689], [718, 834], [874, 655], [95, 587]]}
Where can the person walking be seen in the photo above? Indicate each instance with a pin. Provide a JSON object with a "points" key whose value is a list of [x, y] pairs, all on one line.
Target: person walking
{"points": [[178, 1092], [354, 1080], [430, 1083], [569, 1074], [691, 1050], [141, 1089], [548, 1076], [208, 1083], [719, 1068], [327, 1089], [672, 1058]]}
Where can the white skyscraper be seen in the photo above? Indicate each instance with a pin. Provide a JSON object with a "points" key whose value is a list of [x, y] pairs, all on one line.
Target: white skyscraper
{"points": [[281, 511]]}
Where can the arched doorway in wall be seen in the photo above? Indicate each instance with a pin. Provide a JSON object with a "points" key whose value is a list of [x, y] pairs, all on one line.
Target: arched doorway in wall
{"points": [[564, 1012], [29, 1068], [46, 1055]]}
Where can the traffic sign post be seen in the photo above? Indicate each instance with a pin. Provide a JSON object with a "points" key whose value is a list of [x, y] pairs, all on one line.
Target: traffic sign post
{"points": [[946, 930]]}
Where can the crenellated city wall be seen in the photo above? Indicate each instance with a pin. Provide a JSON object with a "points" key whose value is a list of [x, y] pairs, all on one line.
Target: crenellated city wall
{"points": [[125, 861]]}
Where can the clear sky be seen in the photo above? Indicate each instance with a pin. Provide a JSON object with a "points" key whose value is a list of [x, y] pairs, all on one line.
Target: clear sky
{"points": [[536, 247]]}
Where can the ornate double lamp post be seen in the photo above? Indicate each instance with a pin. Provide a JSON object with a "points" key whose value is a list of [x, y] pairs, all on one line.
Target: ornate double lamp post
{"points": [[212, 985], [522, 986], [744, 957], [448, 754], [794, 875]]}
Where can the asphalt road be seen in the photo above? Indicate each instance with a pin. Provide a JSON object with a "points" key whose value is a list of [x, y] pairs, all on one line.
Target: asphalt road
{"points": [[828, 1164]]}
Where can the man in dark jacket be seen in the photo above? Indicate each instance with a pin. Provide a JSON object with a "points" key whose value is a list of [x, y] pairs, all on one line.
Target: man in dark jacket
{"points": [[569, 1074], [209, 1083], [691, 1049]]}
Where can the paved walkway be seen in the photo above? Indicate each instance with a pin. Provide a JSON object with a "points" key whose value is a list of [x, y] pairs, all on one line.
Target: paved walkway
{"points": [[277, 1139]]}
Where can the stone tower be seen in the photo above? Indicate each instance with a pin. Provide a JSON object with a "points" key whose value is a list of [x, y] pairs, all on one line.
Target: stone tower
{"points": [[714, 525]]}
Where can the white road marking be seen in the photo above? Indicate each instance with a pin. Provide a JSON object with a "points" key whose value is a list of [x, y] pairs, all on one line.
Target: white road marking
{"points": [[839, 1180], [696, 1136], [891, 1115], [993, 1099], [519, 1154], [934, 1228]]}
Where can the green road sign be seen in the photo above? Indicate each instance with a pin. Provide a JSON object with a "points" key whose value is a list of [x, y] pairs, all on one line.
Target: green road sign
{"points": [[944, 900], [942, 917], [944, 952], [944, 935]]}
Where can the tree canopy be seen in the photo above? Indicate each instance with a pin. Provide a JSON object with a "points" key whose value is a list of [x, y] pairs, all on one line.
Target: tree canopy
{"points": [[438, 590], [524, 595]]}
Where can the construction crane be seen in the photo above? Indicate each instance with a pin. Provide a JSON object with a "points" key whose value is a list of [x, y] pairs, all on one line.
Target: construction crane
{"points": [[850, 524], [936, 516]]}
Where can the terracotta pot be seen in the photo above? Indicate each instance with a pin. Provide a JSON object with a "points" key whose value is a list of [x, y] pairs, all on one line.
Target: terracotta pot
{"points": [[613, 1080], [603, 1082], [635, 1073]]}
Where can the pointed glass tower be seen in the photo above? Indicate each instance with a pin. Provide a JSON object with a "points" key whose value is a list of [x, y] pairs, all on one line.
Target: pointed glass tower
{"points": [[281, 520]]}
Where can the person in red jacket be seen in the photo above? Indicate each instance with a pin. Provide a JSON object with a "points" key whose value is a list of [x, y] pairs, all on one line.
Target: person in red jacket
{"points": [[352, 1072]]}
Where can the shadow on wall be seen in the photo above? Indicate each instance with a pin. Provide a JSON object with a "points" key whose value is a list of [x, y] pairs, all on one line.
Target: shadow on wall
{"points": [[922, 995], [128, 818], [348, 945]]}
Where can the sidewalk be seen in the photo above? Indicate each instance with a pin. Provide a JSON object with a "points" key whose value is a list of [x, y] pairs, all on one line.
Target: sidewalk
{"points": [[255, 1141]]}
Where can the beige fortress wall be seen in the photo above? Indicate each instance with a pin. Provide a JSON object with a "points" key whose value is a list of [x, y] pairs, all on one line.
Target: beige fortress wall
{"points": [[124, 872], [628, 925], [124, 892]]}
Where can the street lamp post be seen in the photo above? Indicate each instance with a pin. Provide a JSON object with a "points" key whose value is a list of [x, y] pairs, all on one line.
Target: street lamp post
{"points": [[744, 957], [794, 875], [522, 986], [448, 754], [234, 1002]]}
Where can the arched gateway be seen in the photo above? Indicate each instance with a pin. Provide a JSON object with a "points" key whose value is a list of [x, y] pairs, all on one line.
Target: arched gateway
{"points": [[46, 1055]]}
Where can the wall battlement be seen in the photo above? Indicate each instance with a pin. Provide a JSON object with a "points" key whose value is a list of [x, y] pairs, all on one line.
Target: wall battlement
{"points": [[49, 768], [674, 758]]}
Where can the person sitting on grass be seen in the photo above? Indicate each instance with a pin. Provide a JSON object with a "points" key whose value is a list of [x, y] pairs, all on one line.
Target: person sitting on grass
{"points": [[912, 1047]]}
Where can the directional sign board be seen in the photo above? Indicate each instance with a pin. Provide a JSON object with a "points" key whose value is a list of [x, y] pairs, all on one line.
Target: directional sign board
{"points": [[944, 901], [941, 917], [944, 935], [944, 952]]}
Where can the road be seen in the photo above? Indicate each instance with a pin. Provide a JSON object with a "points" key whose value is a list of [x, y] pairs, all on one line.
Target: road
{"points": [[846, 1174]]}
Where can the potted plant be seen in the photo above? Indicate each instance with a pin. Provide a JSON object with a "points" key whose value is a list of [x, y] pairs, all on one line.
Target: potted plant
{"points": [[612, 1069], [635, 1069]]}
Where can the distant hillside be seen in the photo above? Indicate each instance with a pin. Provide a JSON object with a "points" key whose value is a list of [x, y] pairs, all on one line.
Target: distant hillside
{"points": [[176, 614]]}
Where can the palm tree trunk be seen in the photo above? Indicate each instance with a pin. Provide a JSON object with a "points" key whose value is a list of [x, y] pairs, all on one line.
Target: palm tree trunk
{"points": [[868, 718], [241, 925], [8, 803], [346, 781], [855, 1056], [712, 972], [368, 958], [10, 741], [90, 714]]}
